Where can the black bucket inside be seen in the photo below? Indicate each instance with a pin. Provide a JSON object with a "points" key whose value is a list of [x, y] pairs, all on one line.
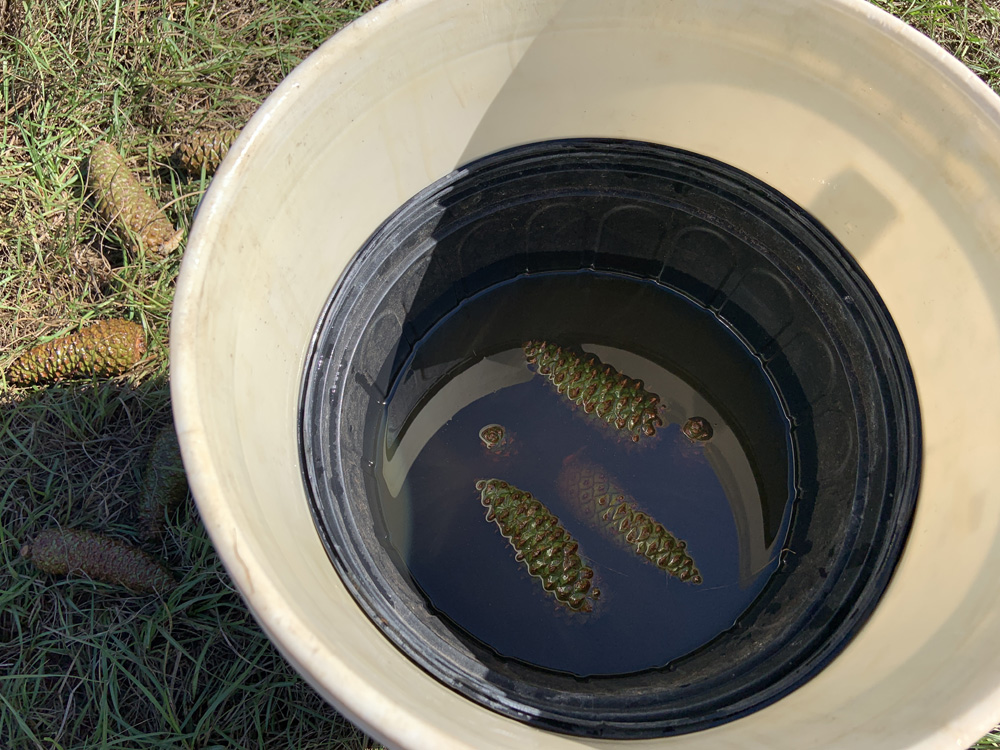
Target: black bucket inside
{"points": [[828, 403]]}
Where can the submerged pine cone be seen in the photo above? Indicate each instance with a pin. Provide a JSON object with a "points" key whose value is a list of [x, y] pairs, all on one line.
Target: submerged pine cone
{"points": [[204, 149], [123, 203], [615, 514], [164, 483], [99, 557], [599, 389], [547, 550], [104, 349]]}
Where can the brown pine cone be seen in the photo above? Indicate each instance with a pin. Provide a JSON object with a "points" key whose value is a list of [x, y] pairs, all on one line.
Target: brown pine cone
{"points": [[99, 557], [104, 349], [123, 203], [164, 483], [203, 149]]}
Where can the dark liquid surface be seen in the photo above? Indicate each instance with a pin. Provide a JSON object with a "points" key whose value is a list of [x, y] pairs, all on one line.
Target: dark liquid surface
{"points": [[709, 494]]}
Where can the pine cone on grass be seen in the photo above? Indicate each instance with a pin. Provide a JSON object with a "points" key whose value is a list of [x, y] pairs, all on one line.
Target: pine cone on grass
{"points": [[164, 483], [103, 349], [203, 149], [64, 552], [123, 203]]}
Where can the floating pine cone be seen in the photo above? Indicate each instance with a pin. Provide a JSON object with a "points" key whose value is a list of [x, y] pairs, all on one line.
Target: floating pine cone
{"points": [[597, 388], [164, 483], [104, 349], [698, 429], [497, 440], [541, 543], [204, 149], [614, 513], [123, 203], [102, 558]]}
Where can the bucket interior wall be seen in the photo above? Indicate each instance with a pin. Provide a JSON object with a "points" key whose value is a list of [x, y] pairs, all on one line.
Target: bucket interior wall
{"points": [[869, 127]]}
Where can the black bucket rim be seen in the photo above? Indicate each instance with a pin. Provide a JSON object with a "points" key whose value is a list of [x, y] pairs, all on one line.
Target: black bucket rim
{"points": [[578, 712]]}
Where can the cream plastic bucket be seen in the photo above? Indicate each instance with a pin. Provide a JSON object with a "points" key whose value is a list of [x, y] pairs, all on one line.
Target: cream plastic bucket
{"points": [[880, 134]]}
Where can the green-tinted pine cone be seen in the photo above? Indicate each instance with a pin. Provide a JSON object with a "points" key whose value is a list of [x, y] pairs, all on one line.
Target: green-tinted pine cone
{"points": [[98, 557], [164, 483], [541, 543], [614, 512], [104, 349], [204, 149], [123, 203], [598, 389]]}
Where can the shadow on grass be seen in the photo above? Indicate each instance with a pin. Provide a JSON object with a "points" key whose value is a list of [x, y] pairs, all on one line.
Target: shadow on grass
{"points": [[88, 664]]}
